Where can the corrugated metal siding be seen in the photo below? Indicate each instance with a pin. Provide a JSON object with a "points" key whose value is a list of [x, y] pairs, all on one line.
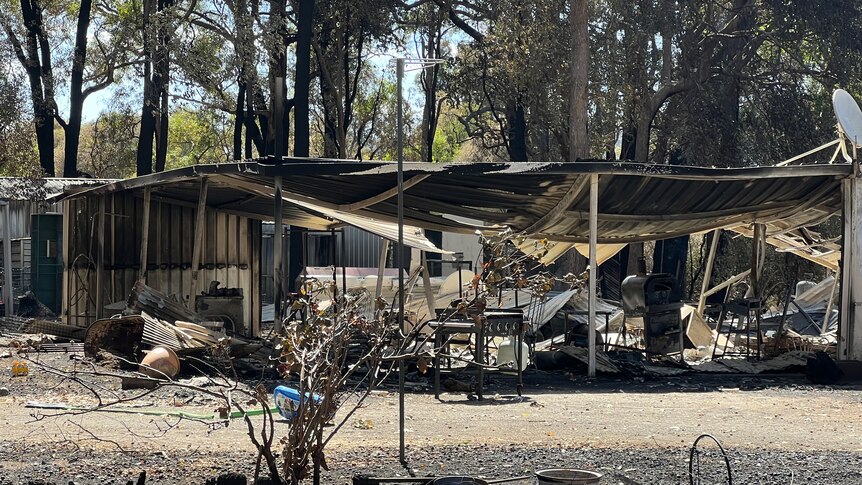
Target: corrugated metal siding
{"points": [[231, 253], [20, 219], [363, 248], [361, 251], [20, 213], [20, 265]]}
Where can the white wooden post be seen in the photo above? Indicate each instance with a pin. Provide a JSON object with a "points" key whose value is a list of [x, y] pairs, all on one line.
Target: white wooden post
{"points": [[197, 248], [849, 333], [100, 260], [145, 232], [707, 274], [594, 214]]}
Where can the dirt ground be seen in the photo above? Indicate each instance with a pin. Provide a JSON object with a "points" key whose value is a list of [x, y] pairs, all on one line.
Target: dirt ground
{"points": [[776, 429]]}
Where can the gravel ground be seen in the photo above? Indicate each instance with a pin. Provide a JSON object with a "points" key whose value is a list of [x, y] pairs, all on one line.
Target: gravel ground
{"points": [[776, 429], [64, 464]]}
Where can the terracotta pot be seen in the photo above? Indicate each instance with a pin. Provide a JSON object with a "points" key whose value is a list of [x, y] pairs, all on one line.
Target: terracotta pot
{"points": [[160, 362]]}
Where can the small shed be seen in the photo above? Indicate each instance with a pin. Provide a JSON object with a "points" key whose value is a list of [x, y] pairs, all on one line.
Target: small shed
{"points": [[101, 271]]}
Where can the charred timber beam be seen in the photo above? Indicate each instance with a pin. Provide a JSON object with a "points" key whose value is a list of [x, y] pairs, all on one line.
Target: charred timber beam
{"points": [[197, 249]]}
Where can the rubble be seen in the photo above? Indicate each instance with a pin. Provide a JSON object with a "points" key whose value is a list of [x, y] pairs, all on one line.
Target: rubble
{"points": [[154, 319], [30, 307], [794, 360]]}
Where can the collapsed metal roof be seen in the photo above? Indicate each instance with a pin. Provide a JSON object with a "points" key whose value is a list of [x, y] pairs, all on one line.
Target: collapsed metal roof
{"points": [[637, 202]]}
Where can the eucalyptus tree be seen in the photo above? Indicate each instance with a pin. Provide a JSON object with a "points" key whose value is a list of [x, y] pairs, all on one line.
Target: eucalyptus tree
{"points": [[345, 36], [104, 49], [28, 36], [430, 40], [54, 41], [17, 148], [159, 20], [512, 76]]}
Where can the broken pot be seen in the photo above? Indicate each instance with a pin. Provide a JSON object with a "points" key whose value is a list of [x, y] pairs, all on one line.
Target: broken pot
{"points": [[160, 362]]}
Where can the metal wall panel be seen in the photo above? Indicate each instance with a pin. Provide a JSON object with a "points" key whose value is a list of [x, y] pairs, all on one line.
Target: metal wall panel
{"points": [[231, 253], [20, 212]]}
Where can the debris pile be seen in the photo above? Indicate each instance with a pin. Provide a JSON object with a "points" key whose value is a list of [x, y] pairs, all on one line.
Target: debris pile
{"points": [[154, 319]]}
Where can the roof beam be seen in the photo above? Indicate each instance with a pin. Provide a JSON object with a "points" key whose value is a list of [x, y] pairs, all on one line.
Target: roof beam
{"points": [[238, 202], [742, 211], [362, 204], [575, 190], [442, 224], [235, 212]]}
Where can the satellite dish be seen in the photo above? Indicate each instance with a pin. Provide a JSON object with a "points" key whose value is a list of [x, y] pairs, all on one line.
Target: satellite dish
{"points": [[849, 116]]}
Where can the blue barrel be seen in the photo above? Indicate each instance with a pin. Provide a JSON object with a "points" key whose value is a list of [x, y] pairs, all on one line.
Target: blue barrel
{"points": [[288, 400]]}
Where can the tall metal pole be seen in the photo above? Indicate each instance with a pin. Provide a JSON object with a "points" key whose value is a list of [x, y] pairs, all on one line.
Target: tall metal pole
{"points": [[399, 253], [278, 255], [7, 261], [594, 212], [277, 216]]}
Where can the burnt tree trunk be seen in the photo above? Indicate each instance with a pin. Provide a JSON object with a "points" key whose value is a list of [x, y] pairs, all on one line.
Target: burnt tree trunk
{"points": [[579, 143], [35, 58], [76, 91], [239, 120], [147, 132], [253, 135], [517, 131], [161, 82], [302, 132], [302, 121], [277, 128], [430, 80]]}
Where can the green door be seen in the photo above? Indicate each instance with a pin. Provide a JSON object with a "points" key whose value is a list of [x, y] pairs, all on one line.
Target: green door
{"points": [[46, 267]]}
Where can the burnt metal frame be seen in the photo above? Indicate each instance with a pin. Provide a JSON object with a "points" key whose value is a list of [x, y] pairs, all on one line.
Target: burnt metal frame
{"points": [[442, 329]]}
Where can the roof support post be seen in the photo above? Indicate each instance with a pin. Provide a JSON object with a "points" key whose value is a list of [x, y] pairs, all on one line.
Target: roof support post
{"points": [[758, 253], [707, 274], [758, 257], [145, 232], [849, 331], [197, 249], [381, 266], [278, 254], [826, 316], [399, 257], [67, 267], [594, 212], [7, 260], [100, 259], [426, 283]]}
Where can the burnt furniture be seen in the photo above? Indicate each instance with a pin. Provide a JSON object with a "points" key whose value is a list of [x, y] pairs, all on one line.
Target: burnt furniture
{"points": [[225, 305], [569, 336], [491, 323], [652, 297]]}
